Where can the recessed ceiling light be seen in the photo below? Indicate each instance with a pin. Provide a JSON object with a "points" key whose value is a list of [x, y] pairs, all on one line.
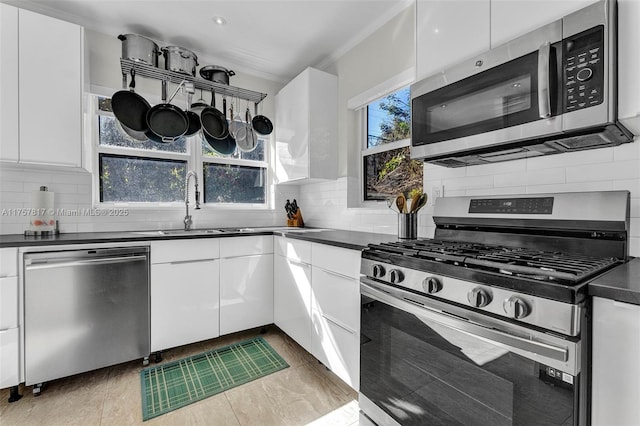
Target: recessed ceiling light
{"points": [[219, 20]]}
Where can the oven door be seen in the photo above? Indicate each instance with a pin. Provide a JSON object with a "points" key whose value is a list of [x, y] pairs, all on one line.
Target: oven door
{"points": [[423, 361], [510, 93]]}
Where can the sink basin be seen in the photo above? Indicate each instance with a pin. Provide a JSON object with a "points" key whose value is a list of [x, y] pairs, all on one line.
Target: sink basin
{"points": [[180, 232]]}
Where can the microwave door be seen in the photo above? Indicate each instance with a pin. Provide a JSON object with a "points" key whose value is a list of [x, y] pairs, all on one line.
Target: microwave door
{"points": [[516, 98]]}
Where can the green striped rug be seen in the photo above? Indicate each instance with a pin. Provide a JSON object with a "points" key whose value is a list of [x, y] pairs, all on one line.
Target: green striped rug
{"points": [[179, 383]]}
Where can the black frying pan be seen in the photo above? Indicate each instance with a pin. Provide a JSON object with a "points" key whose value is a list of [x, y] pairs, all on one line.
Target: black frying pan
{"points": [[224, 146], [214, 122], [194, 119], [130, 109], [261, 124], [167, 120]]}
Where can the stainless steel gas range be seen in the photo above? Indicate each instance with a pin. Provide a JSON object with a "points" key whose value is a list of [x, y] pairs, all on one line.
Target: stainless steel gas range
{"points": [[488, 323]]}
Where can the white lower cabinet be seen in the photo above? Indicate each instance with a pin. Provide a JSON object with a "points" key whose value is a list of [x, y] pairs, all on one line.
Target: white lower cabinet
{"points": [[9, 361], [292, 299], [246, 292], [185, 294], [616, 363]]}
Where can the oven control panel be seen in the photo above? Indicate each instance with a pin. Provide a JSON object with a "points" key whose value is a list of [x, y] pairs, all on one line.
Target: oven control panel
{"points": [[532, 205], [584, 69]]}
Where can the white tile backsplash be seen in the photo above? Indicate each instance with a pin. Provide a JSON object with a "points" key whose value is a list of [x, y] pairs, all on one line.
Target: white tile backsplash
{"points": [[594, 170]]}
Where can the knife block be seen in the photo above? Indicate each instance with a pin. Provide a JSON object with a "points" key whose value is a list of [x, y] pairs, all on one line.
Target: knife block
{"points": [[296, 221]]}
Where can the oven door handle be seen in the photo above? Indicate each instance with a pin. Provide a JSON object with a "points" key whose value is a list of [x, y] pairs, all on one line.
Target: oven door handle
{"points": [[491, 335], [544, 97]]}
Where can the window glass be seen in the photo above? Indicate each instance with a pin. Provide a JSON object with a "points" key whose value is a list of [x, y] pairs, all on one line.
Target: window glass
{"points": [[139, 179], [390, 173], [226, 183], [388, 170], [111, 135], [389, 119]]}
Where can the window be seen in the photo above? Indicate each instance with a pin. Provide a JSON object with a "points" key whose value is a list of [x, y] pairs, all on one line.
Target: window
{"points": [[387, 169], [146, 173]]}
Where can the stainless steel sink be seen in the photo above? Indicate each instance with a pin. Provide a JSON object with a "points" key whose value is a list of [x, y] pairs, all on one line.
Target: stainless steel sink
{"points": [[180, 232]]}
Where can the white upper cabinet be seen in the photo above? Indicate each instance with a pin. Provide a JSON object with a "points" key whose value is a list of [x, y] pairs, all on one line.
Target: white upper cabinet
{"points": [[449, 31], [9, 83], [628, 64], [306, 128], [41, 77], [511, 19]]}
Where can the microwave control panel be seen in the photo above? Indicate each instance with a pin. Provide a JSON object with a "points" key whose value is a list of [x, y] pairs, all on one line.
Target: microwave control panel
{"points": [[584, 69]]}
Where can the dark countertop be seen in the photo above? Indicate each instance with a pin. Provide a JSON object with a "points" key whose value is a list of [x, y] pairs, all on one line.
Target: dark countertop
{"points": [[621, 283], [347, 239]]}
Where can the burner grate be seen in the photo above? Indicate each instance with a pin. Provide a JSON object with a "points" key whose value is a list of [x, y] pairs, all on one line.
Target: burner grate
{"points": [[519, 262]]}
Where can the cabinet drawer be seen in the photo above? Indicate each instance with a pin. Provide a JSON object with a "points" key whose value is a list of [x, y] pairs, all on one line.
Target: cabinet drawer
{"points": [[293, 249], [336, 259], [246, 246], [183, 250], [339, 350], [337, 297], [8, 302], [9, 366], [8, 262]]}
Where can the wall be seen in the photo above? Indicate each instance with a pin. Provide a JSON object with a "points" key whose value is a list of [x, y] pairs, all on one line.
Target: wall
{"points": [[73, 187]]}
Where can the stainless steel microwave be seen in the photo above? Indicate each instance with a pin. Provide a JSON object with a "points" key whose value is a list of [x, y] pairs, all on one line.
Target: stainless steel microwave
{"points": [[549, 91]]}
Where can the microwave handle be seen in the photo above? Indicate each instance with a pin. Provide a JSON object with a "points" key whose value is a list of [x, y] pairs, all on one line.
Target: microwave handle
{"points": [[544, 100]]}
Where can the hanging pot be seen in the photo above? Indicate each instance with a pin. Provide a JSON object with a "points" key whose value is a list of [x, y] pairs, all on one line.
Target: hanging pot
{"points": [[139, 49], [216, 74], [214, 123], [193, 118], [130, 110], [180, 60], [166, 120], [261, 124]]}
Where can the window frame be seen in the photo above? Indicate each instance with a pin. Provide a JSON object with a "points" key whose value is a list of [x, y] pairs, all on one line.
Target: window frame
{"points": [[194, 158], [366, 151]]}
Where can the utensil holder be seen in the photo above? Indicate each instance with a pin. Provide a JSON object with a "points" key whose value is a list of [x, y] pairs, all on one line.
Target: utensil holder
{"points": [[407, 226]]}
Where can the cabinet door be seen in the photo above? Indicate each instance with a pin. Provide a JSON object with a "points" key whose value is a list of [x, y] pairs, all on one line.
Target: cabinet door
{"points": [[50, 87], [292, 130], [8, 302], [336, 297], [8, 83], [616, 363], [449, 31], [511, 19], [246, 292], [185, 304], [292, 299], [9, 363]]}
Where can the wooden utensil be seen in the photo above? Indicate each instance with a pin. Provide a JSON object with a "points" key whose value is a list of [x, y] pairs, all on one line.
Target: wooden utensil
{"points": [[414, 202], [420, 204], [401, 203]]}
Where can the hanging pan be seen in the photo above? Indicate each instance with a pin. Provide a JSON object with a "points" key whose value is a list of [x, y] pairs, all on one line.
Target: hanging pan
{"points": [[247, 139], [166, 120], [214, 123], [261, 124], [223, 145], [130, 110], [193, 118]]}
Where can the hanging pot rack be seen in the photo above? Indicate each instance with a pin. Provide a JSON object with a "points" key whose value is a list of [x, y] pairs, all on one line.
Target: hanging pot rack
{"points": [[149, 71]]}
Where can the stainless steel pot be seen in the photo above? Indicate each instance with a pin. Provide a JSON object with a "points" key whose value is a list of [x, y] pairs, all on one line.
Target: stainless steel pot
{"points": [[180, 60], [138, 48], [216, 74]]}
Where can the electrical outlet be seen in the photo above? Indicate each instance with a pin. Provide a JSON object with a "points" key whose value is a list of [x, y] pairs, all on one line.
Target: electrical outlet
{"points": [[436, 192]]}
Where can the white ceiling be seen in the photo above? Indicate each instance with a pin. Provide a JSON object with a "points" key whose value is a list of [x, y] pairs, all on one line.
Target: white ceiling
{"points": [[273, 39]]}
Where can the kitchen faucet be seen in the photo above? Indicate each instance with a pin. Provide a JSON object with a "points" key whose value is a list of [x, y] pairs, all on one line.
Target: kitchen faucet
{"points": [[187, 219]]}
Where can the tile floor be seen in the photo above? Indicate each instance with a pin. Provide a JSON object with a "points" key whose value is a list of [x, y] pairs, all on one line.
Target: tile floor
{"points": [[305, 393]]}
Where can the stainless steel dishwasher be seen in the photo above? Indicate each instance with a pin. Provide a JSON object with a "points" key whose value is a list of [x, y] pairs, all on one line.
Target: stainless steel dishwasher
{"points": [[84, 309]]}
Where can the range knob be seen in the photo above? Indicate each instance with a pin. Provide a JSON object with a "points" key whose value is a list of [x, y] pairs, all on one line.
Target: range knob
{"points": [[431, 285], [516, 307], [396, 276], [378, 271], [479, 297]]}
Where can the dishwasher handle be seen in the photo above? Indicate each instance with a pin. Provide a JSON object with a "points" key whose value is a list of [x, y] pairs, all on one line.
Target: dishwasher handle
{"points": [[44, 264]]}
